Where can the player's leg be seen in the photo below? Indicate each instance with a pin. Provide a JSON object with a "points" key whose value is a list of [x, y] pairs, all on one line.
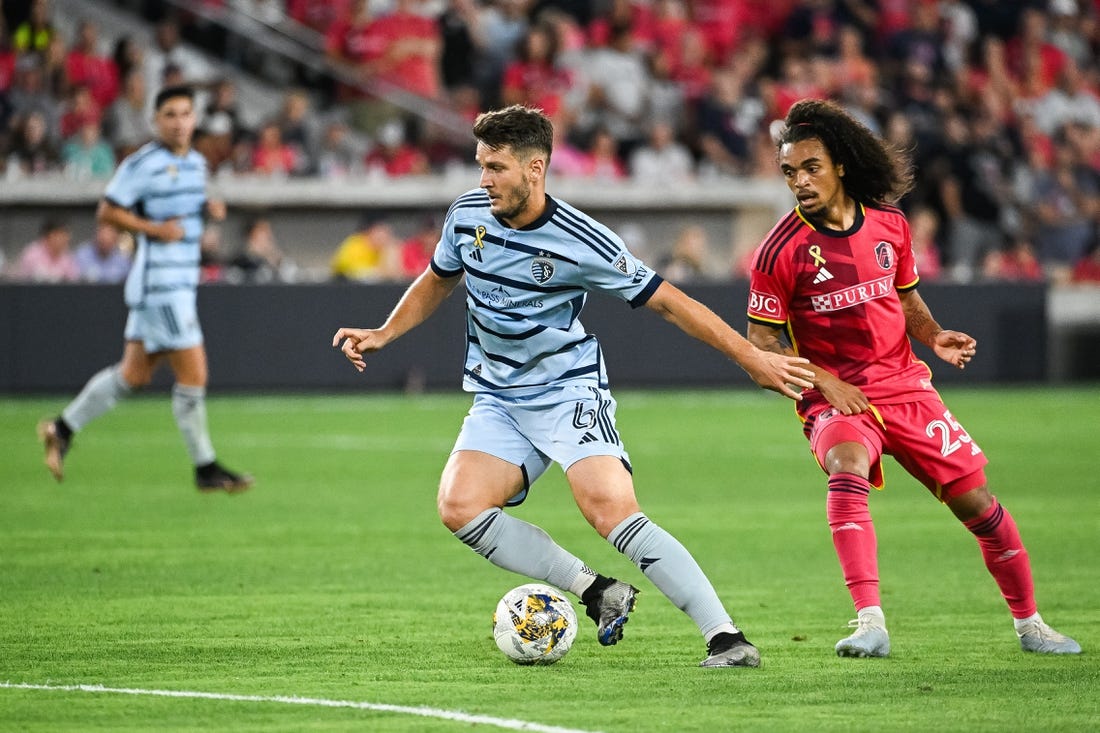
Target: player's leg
{"points": [[1007, 560], [189, 409], [473, 490], [938, 451], [99, 395], [849, 449], [604, 491]]}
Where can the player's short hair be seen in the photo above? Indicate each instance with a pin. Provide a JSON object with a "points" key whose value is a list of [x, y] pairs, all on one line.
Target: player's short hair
{"points": [[525, 130], [171, 93]]}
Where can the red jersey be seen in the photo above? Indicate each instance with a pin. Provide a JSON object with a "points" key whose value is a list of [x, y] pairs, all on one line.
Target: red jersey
{"points": [[835, 293]]}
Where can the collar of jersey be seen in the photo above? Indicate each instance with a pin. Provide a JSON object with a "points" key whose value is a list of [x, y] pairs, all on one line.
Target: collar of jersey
{"points": [[834, 232], [551, 207]]}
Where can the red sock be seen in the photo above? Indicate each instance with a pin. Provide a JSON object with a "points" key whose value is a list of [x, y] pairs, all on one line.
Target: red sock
{"points": [[854, 536], [1006, 558]]}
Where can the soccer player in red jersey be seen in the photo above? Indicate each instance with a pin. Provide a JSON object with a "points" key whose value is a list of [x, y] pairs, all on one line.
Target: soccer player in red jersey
{"points": [[835, 282]]}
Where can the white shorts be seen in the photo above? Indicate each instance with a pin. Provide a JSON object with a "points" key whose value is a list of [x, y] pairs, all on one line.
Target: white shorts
{"points": [[168, 326], [562, 425]]}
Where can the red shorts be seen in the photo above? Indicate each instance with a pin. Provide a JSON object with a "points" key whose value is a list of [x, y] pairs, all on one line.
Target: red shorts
{"points": [[921, 435]]}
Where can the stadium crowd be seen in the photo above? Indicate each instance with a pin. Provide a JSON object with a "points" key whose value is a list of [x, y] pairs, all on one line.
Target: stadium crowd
{"points": [[999, 103]]}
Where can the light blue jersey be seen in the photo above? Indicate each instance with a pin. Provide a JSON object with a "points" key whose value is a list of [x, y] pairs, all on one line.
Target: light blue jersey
{"points": [[156, 184], [525, 289]]}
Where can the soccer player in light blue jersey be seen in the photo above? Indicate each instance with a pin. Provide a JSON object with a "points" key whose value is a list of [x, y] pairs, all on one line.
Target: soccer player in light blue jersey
{"points": [[159, 194], [540, 387]]}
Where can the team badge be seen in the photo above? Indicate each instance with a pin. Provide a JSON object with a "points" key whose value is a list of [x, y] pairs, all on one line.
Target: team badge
{"points": [[173, 171], [625, 265], [884, 254], [542, 270]]}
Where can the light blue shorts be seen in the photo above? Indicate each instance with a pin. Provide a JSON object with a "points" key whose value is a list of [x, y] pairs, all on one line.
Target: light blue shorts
{"points": [[168, 326], [562, 425]]}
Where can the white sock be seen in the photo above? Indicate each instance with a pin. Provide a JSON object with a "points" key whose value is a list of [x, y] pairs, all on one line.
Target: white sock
{"points": [[1020, 623], [875, 611]]}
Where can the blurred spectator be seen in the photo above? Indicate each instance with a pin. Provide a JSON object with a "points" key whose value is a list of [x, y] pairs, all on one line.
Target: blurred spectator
{"points": [[568, 160], [534, 79], [128, 55], [1071, 101], [86, 66], [617, 80], [1015, 262], [29, 94], [410, 45], [503, 24], [1087, 269], [81, 109], [220, 124], [101, 258], [260, 260], [797, 81], [32, 152], [211, 257], [727, 121], [1031, 58], [338, 156], [299, 127], [367, 255], [35, 33], [86, 156], [687, 262], [417, 250], [169, 52], [1066, 209], [125, 123], [662, 160], [393, 155], [271, 156], [48, 259], [602, 161], [462, 38], [924, 226], [7, 58]]}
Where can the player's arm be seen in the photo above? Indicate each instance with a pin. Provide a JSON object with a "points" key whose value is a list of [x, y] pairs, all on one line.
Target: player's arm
{"points": [[123, 218], [420, 300], [846, 398], [954, 347], [778, 372]]}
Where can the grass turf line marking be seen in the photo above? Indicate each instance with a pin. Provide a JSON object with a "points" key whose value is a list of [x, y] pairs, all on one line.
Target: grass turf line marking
{"points": [[425, 712]]}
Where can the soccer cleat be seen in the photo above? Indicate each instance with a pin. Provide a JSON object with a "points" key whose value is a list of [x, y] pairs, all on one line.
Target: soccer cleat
{"points": [[215, 477], [1036, 636], [731, 650], [608, 602], [56, 446], [868, 640]]}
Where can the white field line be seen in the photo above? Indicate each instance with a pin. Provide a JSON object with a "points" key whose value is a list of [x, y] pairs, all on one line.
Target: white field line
{"points": [[425, 712]]}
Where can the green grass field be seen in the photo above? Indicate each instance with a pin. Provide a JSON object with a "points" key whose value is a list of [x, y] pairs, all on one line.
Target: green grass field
{"points": [[333, 580]]}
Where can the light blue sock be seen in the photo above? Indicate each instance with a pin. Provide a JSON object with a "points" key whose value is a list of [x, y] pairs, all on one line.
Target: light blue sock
{"points": [[100, 394]]}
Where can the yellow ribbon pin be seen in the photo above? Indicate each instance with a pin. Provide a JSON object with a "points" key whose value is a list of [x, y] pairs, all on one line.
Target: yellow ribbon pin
{"points": [[815, 252], [478, 234]]}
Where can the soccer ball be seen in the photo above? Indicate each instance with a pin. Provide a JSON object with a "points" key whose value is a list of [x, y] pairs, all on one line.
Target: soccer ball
{"points": [[534, 624]]}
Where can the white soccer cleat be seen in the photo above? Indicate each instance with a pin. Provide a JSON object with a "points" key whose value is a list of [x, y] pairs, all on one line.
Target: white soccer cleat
{"points": [[869, 639], [1036, 636]]}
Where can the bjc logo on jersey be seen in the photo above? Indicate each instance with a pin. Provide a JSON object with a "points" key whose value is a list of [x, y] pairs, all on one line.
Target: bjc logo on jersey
{"points": [[761, 303]]}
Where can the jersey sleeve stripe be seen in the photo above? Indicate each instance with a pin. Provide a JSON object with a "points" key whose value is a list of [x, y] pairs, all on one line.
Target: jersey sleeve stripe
{"points": [[584, 232], [908, 286], [647, 292], [442, 272], [766, 321], [769, 251]]}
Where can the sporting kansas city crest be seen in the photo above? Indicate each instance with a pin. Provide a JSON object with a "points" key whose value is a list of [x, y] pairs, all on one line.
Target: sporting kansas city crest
{"points": [[542, 270]]}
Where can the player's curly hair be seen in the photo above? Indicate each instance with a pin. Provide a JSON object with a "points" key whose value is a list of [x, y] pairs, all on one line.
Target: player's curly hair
{"points": [[875, 171], [524, 129]]}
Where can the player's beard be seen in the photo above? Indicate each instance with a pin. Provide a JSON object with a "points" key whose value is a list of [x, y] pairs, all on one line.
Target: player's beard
{"points": [[516, 201]]}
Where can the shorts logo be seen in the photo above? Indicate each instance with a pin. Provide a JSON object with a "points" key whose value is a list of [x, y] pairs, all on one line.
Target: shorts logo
{"points": [[542, 270], [884, 254], [582, 418], [625, 265], [767, 305]]}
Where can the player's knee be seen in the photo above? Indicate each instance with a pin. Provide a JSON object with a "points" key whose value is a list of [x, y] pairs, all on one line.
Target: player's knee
{"points": [[456, 509], [967, 501], [848, 457]]}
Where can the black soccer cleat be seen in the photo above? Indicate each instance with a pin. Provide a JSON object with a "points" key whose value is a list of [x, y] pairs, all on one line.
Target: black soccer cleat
{"points": [[215, 477], [731, 650], [609, 602]]}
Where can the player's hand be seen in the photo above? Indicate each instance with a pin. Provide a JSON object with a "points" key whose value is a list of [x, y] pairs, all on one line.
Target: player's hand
{"points": [[780, 373], [848, 399], [167, 231], [954, 347], [356, 342]]}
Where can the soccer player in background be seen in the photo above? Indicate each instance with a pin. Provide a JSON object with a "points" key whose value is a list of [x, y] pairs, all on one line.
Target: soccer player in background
{"points": [[159, 194], [836, 278], [540, 387]]}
